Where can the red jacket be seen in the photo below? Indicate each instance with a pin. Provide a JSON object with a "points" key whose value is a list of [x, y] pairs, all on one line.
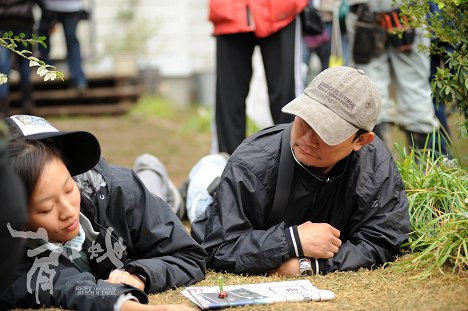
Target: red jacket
{"points": [[263, 17]]}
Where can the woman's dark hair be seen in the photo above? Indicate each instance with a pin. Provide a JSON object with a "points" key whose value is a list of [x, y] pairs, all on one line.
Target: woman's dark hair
{"points": [[28, 158]]}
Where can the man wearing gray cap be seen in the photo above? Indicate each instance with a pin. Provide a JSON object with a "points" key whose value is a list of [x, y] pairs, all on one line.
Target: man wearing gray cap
{"points": [[315, 196]]}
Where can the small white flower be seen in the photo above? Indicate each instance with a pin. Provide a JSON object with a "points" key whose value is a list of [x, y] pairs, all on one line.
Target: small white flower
{"points": [[47, 76], [53, 75], [3, 78], [41, 71], [33, 63]]}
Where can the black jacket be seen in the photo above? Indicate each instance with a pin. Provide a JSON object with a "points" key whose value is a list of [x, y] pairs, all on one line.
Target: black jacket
{"points": [[364, 198], [17, 15], [157, 246]]}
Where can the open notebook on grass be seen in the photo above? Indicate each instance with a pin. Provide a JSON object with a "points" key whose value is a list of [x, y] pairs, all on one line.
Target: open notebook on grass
{"points": [[207, 297]]}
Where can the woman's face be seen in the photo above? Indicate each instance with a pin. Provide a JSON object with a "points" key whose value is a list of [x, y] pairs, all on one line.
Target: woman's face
{"points": [[55, 203]]}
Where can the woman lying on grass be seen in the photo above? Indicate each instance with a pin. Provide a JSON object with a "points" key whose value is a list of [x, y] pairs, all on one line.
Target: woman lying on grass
{"points": [[95, 241]]}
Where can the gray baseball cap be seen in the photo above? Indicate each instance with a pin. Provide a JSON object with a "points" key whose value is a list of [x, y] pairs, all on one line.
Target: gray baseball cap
{"points": [[337, 103]]}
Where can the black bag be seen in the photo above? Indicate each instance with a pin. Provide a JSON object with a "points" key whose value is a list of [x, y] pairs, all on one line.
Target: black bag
{"points": [[363, 47], [370, 39], [311, 21]]}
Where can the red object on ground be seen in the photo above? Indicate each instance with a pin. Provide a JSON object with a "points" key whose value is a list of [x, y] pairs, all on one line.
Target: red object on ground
{"points": [[222, 294]]}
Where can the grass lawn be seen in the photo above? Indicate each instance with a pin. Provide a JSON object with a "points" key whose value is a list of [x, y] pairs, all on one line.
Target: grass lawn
{"points": [[378, 289], [180, 137]]}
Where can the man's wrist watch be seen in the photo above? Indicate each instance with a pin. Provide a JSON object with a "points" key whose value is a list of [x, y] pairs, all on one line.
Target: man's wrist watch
{"points": [[305, 266]]}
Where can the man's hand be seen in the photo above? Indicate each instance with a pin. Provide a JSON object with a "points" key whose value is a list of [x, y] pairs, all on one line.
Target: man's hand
{"points": [[288, 268], [123, 277], [319, 240]]}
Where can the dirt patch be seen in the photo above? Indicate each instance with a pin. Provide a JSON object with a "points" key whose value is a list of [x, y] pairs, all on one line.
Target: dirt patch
{"points": [[124, 137]]}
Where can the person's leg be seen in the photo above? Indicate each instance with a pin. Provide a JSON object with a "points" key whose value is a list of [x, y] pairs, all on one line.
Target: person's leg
{"points": [[306, 54], [200, 177], [415, 108], [156, 179], [323, 53], [378, 70], [233, 75], [280, 52], [5, 67], [324, 50], [74, 60], [439, 107], [346, 49], [26, 88], [45, 24]]}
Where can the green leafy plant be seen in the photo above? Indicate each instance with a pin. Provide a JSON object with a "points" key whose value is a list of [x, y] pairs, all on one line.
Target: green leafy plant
{"points": [[448, 26], [437, 199], [12, 42]]}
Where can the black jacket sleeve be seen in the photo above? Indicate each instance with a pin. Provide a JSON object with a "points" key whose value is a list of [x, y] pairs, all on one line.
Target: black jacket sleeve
{"points": [[232, 242], [160, 245], [381, 223], [70, 289]]}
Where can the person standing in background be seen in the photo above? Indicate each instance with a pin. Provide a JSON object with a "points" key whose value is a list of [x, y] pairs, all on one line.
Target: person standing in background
{"points": [[239, 26], [69, 13], [439, 50], [379, 52], [16, 16], [321, 44]]}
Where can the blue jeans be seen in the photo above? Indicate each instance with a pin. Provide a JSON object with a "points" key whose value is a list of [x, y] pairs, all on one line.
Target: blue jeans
{"points": [[69, 21], [439, 107], [5, 68]]}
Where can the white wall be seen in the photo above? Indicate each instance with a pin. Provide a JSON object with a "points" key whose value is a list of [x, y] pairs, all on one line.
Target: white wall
{"points": [[181, 46], [181, 42]]}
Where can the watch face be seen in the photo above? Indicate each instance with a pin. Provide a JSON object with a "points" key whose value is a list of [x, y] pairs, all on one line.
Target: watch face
{"points": [[305, 266]]}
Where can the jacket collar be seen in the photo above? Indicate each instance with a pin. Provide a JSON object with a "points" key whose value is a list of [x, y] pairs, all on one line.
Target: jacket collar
{"points": [[337, 171]]}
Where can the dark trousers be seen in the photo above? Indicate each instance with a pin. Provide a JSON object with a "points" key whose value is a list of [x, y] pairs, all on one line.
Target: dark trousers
{"points": [[439, 107], [234, 72], [69, 22]]}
